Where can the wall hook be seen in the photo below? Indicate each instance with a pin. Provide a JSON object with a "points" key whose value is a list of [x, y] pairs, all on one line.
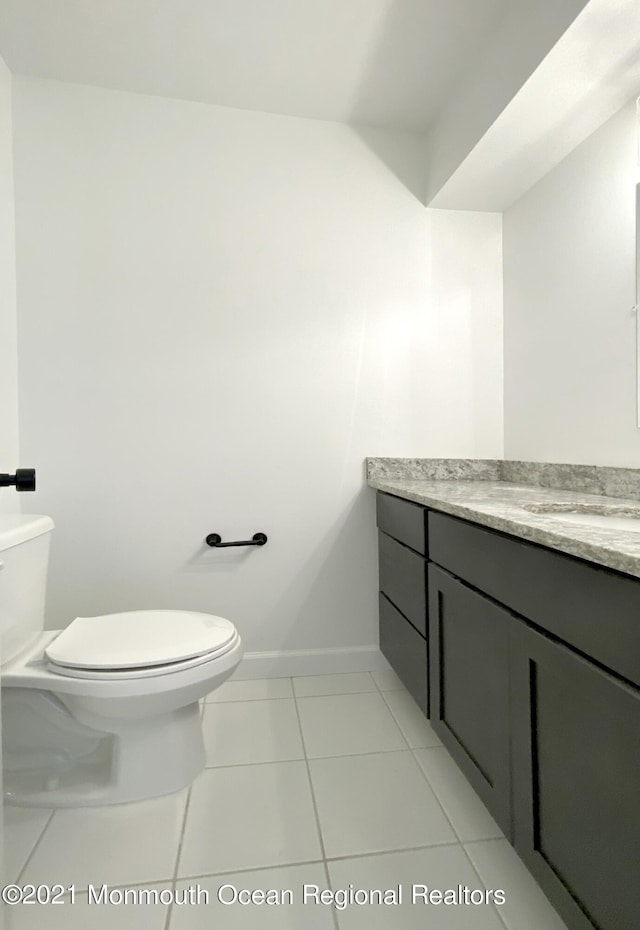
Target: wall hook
{"points": [[24, 479]]}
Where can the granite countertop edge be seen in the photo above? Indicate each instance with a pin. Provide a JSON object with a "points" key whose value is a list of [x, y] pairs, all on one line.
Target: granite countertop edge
{"points": [[494, 504]]}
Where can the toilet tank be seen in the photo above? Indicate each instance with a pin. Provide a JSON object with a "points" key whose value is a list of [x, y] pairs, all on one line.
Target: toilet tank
{"points": [[24, 558]]}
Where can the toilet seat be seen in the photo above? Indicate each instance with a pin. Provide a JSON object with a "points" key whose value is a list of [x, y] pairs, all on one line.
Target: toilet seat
{"points": [[139, 644], [151, 671]]}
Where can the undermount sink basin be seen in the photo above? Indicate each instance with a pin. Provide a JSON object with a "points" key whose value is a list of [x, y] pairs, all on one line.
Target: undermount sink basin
{"points": [[598, 517]]}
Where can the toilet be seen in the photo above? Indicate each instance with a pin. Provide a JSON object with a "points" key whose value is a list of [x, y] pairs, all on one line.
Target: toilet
{"points": [[107, 710]]}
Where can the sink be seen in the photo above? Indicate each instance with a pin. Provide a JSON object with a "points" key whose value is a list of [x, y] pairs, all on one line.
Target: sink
{"points": [[600, 516], [605, 521]]}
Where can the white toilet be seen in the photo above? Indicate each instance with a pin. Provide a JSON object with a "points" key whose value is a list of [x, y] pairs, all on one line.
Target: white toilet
{"points": [[105, 711]]}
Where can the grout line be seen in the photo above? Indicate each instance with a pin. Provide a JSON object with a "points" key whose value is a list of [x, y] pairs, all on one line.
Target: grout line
{"points": [[35, 846], [461, 842], [182, 831], [316, 813], [486, 839], [341, 755], [121, 886], [387, 852], [246, 869], [369, 690], [337, 693], [435, 794], [311, 789], [243, 765], [178, 852], [400, 687], [396, 721], [482, 882], [480, 839], [167, 919], [287, 697]]}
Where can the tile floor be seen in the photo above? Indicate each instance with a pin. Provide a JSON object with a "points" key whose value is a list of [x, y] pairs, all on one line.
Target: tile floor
{"points": [[329, 780]]}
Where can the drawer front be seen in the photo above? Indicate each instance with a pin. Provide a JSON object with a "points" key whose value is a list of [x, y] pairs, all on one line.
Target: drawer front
{"points": [[592, 609], [403, 520], [406, 652], [403, 579]]}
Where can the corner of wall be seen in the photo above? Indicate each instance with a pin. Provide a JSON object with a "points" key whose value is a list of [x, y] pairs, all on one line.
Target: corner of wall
{"points": [[8, 318]]}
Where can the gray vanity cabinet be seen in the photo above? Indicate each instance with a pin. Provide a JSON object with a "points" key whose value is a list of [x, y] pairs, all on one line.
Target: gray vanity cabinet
{"points": [[576, 780], [535, 664], [469, 681], [534, 680], [402, 560]]}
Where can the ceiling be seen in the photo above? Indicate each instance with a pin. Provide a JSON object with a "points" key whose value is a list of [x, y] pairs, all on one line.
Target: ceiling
{"points": [[385, 63]]}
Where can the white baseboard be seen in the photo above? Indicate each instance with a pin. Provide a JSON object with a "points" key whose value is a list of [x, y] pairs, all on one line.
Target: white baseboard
{"points": [[310, 662]]}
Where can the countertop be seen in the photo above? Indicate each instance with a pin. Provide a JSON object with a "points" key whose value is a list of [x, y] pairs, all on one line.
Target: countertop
{"points": [[495, 504]]}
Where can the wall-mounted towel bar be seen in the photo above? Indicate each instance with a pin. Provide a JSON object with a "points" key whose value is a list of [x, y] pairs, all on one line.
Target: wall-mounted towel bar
{"points": [[215, 540]]}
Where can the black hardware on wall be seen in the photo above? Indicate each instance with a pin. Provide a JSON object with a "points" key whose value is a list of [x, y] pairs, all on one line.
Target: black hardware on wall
{"points": [[215, 540], [24, 479]]}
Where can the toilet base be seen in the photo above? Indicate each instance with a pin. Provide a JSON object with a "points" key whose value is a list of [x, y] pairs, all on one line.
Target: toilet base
{"points": [[138, 759]]}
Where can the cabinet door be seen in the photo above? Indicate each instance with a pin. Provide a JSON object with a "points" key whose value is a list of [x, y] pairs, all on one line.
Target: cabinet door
{"points": [[469, 686], [576, 776]]}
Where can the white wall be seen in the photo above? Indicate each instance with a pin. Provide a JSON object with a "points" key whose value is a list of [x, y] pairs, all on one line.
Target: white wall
{"points": [[221, 314], [569, 285], [8, 350]]}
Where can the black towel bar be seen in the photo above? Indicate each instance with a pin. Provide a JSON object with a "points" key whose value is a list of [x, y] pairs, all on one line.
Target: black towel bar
{"points": [[215, 540]]}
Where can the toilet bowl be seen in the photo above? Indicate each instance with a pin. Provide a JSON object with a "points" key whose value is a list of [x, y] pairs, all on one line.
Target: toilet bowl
{"points": [[107, 710]]}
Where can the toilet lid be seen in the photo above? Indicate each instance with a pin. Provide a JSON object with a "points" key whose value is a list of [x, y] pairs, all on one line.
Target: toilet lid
{"points": [[139, 639]]}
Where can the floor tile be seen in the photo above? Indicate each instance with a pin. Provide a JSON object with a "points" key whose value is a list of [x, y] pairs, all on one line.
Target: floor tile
{"points": [[376, 802], [387, 680], [82, 915], [251, 731], [416, 728], [249, 816], [525, 907], [441, 868], [295, 916], [23, 827], [470, 818], [342, 724], [312, 685], [122, 844], [253, 689]]}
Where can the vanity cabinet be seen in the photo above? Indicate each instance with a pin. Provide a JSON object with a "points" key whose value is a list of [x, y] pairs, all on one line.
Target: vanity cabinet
{"points": [[402, 561], [534, 681]]}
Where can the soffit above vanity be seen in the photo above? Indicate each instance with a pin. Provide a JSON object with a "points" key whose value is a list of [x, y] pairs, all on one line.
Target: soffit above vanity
{"points": [[591, 72]]}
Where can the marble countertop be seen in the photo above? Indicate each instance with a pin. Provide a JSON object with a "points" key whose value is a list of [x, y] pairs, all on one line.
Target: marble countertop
{"points": [[496, 504]]}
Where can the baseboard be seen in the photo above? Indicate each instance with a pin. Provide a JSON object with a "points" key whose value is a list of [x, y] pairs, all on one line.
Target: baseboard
{"points": [[310, 662]]}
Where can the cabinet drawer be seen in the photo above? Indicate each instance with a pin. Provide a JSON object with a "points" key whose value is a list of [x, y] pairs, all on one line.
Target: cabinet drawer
{"points": [[406, 652], [591, 608], [403, 579], [403, 520]]}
